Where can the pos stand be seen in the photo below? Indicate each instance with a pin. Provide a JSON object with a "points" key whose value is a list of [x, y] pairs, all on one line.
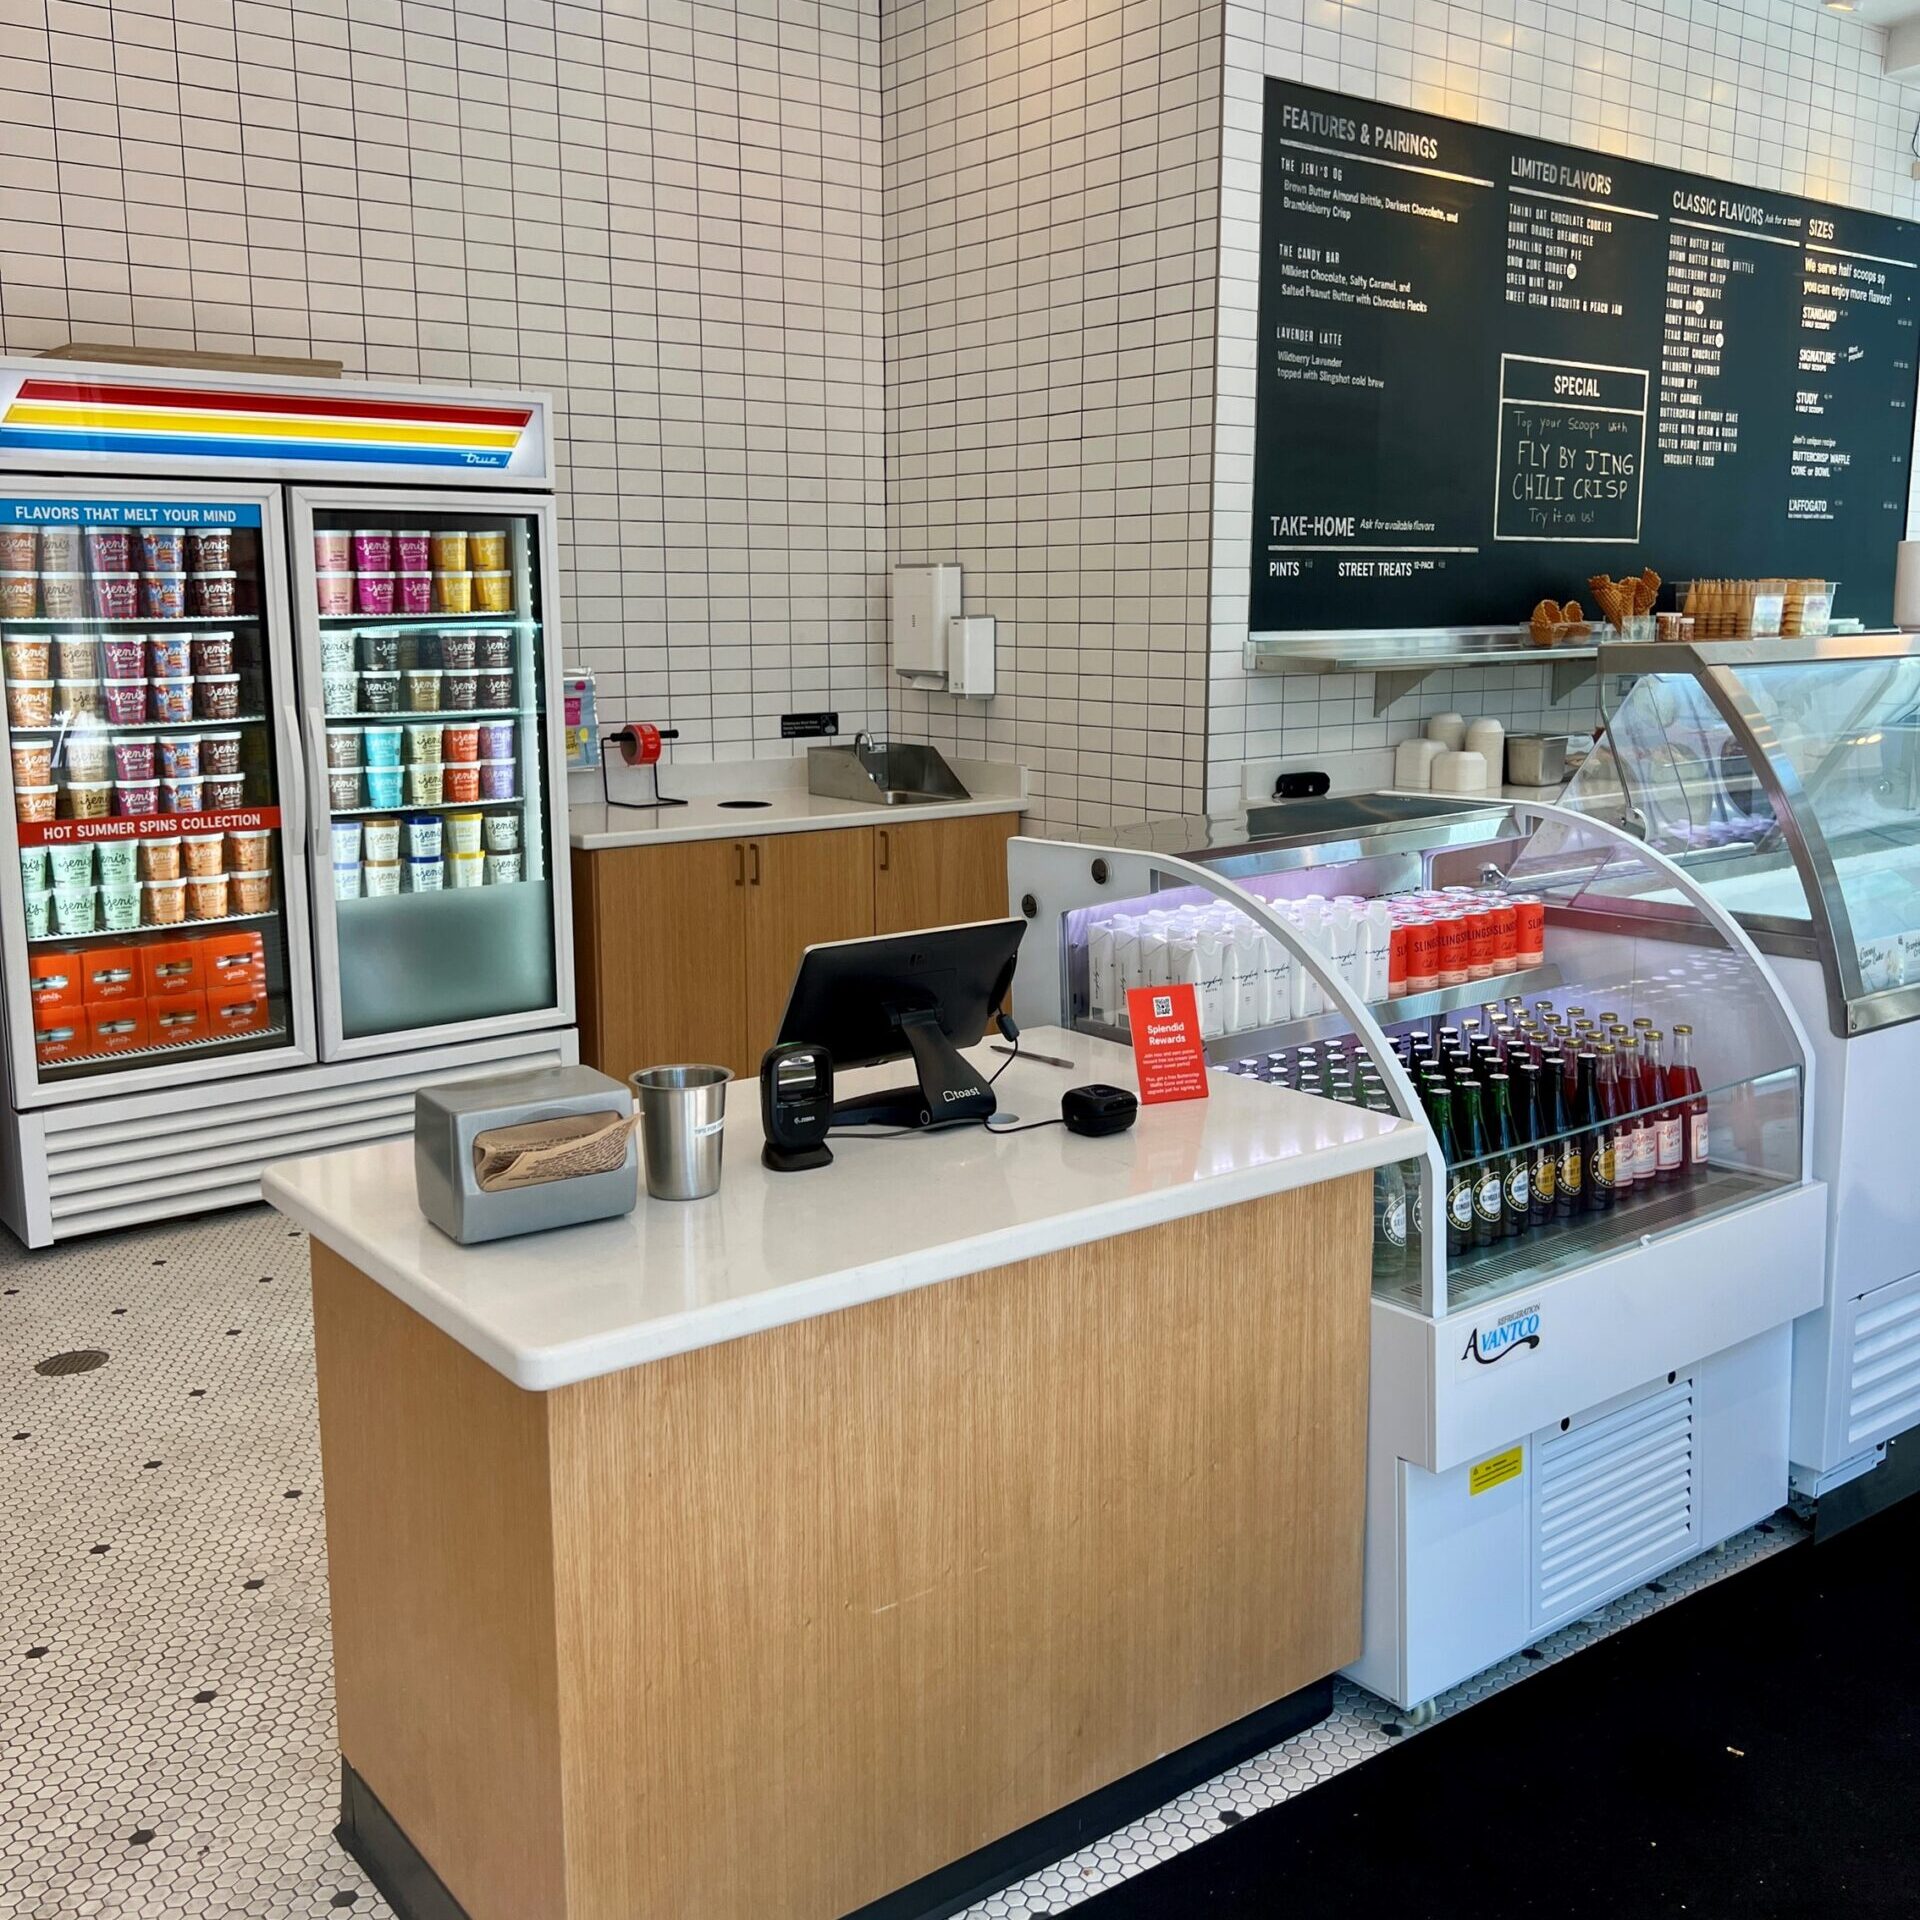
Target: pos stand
{"points": [[947, 1090]]}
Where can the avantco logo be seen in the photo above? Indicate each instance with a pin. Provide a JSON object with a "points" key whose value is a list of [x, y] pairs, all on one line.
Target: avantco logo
{"points": [[1510, 1334]]}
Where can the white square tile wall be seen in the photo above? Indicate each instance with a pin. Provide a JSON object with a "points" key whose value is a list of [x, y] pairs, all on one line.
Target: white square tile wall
{"points": [[666, 213], [1771, 93], [672, 215], [1050, 223]]}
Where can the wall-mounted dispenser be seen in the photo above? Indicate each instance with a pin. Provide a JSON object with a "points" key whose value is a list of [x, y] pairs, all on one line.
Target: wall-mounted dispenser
{"points": [[926, 600]]}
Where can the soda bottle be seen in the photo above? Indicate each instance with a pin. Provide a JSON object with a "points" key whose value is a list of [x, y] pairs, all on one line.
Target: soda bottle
{"points": [[1618, 1161], [1633, 1084], [1457, 1201], [1389, 1209], [1685, 1090], [1510, 1145], [1482, 1171], [1669, 1125], [1589, 1120], [1570, 1158], [1541, 1098]]}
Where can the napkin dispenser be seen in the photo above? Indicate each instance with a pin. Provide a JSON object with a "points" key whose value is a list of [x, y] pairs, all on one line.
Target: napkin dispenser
{"points": [[522, 1152]]}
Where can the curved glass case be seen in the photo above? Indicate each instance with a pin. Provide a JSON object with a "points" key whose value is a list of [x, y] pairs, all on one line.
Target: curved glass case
{"points": [[1784, 777], [1444, 961]]}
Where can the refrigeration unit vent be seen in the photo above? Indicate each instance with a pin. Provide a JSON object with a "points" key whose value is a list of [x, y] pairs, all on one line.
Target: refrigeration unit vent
{"points": [[161, 1156], [1883, 1373], [1613, 1500]]}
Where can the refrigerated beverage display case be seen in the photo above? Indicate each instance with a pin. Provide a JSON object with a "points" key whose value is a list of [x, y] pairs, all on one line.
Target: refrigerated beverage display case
{"points": [[425, 684], [1581, 1352], [281, 667], [1783, 777], [155, 918]]}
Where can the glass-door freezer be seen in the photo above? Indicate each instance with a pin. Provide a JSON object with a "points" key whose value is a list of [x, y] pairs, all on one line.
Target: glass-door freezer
{"points": [[430, 656], [153, 909]]}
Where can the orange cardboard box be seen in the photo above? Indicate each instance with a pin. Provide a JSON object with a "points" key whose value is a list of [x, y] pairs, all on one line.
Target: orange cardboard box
{"points": [[118, 1026], [170, 967], [178, 1019], [237, 1009], [236, 957], [112, 973], [59, 1033], [55, 980]]}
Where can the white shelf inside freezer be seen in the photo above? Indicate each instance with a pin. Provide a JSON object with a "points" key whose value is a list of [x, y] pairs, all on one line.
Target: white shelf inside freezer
{"points": [[217, 1043], [150, 726], [136, 620], [430, 806], [174, 930], [389, 622], [430, 713]]}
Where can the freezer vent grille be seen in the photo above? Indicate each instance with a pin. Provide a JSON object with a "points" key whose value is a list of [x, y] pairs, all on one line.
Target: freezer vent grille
{"points": [[162, 1156], [1883, 1379], [1613, 1500]]}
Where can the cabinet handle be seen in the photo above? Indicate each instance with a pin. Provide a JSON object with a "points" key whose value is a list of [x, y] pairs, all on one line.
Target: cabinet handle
{"points": [[753, 846], [739, 864], [886, 851]]}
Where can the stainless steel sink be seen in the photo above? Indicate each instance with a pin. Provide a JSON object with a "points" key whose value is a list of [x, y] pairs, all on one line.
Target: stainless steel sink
{"points": [[889, 774]]}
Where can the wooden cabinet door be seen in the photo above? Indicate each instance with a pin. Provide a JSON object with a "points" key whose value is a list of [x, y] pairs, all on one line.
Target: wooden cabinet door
{"points": [[666, 974], [802, 888], [938, 873]]}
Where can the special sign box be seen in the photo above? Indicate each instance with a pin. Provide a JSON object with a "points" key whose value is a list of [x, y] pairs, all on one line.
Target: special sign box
{"points": [[1491, 366]]}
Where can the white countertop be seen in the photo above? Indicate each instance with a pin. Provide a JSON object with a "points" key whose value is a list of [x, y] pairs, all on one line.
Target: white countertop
{"points": [[781, 787], [889, 1215]]}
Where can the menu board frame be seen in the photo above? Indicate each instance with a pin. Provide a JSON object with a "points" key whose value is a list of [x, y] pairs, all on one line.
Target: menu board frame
{"points": [[1585, 289]]}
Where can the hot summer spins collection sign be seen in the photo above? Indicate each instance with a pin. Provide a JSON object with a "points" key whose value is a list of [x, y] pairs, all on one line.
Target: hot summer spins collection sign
{"points": [[1491, 366]]}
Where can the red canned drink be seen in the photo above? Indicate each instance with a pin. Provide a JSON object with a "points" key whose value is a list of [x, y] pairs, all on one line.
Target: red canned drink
{"points": [[1397, 960], [1506, 936], [1423, 955], [1454, 962], [1479, 943], [1530, 931]]}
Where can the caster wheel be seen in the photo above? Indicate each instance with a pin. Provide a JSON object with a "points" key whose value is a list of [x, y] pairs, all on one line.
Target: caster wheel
{"points": [[1418, 1716]]}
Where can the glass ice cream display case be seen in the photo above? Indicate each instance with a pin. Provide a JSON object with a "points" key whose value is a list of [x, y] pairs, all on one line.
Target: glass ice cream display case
{"points": [[155, 914], [1783, 778], [1584, 1285], [428, 664], [281, 659]]}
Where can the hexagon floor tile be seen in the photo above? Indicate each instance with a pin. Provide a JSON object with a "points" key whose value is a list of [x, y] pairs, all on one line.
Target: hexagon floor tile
{"points": [[166, 1710]]}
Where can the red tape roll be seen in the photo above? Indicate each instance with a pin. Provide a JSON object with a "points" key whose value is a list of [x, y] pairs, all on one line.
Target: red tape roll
{"points": [[639, 744]]}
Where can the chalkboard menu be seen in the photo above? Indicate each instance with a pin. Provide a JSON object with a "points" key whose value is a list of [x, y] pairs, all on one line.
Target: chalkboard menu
{"points": [[1490, 367]]}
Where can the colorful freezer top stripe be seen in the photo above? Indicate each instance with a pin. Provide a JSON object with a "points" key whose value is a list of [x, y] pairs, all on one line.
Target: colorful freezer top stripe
{"points": [[71, 416]]}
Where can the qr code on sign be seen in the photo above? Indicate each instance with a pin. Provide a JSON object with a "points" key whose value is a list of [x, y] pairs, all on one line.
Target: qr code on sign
{"points": [[1163, 1006]]}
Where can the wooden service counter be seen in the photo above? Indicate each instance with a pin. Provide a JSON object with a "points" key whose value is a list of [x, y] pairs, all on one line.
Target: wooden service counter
{"points": [[825, 1545]]}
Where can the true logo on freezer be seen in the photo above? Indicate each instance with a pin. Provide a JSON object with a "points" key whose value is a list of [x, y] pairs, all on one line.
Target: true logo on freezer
{"points": [[1507, 1335]]}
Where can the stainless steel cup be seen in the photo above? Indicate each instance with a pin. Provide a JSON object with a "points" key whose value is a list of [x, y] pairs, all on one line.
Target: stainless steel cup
{"points": [[682, 1113]]}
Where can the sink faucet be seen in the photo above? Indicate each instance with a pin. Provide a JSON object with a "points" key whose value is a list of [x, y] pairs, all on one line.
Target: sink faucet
{"points": [[862, 744]]}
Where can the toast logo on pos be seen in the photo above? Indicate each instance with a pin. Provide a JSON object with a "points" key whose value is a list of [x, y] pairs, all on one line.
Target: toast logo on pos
{"points": [[1512, 1332]]}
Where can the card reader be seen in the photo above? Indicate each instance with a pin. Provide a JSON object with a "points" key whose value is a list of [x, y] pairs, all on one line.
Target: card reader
{"points": [[1098, 1109]]}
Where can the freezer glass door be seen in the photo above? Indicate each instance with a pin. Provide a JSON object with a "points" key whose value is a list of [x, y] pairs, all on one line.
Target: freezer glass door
{"points": [[429, 674], [155, 908]]}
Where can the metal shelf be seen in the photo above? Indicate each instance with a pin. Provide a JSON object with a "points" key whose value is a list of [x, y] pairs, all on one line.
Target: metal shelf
{"points": [[174, 930], [146, 726], [431, 713], [204, 1044], [424, 806], [1400, 661], [1229, 1047], [1486, 1273], [139, 620], [384, 620]]}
